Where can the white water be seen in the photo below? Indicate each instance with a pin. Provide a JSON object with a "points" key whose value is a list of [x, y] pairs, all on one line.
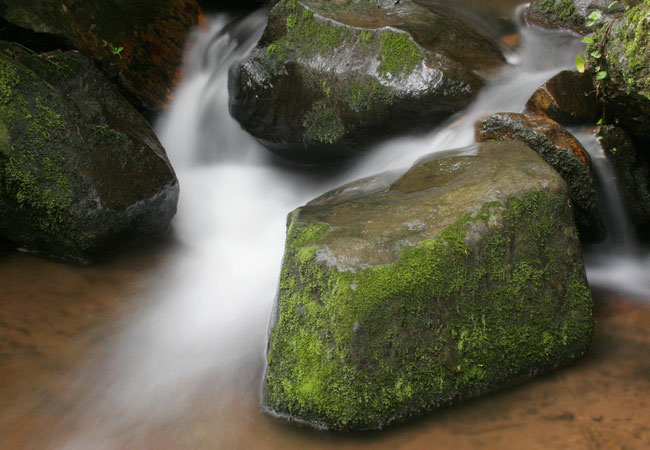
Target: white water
{"points": [[208, 318], [619, 264]]}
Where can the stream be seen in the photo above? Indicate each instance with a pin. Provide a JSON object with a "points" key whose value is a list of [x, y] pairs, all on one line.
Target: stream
{"points": [[163, 346]]}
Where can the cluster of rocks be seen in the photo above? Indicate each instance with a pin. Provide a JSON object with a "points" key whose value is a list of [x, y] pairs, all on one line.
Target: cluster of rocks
{"points": [[464, 275], [80, 168]]}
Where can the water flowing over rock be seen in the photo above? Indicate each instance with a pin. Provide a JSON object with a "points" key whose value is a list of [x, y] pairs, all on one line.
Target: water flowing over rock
{"points": [[462, 276], [572, 14], [327, 79], [632, 173], [79, 167], [568, 98], [139, 44], [561, 150]]}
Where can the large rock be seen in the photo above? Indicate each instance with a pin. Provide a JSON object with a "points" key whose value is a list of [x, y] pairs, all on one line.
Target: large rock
{"points": [[151, 34], [79, 167], [626, 58], [463, 276], [562, 151], [328, 79], [568, 98], [571, 14]]}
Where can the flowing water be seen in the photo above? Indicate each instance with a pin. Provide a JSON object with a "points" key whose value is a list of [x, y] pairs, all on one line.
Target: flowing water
{"points": [[163, 347]]}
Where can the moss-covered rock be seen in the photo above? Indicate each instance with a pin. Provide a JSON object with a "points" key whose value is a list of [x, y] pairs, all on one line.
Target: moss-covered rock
{"points": [[79, 167], [568, 98], [625, 91], [328, 79], [461, 277], [139, 44], [572, 14], [562, 151]]}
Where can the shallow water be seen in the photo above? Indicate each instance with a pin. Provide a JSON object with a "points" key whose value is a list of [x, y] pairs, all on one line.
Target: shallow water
{"points": [[163, 347]]}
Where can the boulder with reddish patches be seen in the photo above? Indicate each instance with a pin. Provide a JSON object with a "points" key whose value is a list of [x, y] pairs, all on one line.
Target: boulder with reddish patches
{"points": [[560, 149], [137, 43]]}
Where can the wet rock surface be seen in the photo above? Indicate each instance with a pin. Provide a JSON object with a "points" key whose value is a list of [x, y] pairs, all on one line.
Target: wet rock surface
{"points": [[400, 298], [562, 151], [327, 80], [624, 45], [139, 44], [568, 98], [80, 169], [571, 14]]}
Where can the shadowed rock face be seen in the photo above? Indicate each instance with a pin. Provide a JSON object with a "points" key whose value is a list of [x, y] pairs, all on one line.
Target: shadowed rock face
{"points": [[80, 169], [397, 296], [568, 98], [151, 33], [626, 89], [562, 151], [327, 80]]}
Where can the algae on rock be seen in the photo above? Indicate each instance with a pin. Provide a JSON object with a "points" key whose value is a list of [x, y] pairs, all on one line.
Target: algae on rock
{"points": [[463, 276]]}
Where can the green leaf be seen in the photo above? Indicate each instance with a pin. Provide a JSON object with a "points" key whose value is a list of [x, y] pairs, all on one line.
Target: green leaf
{"points": [[580, 64], [597, 68], [588, 40], [596, 54], [602, 74], [595, 15], [591, 23], [600, 121], [611, 5]]}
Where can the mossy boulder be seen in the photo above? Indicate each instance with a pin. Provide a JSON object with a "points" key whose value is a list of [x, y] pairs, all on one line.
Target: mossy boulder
{"points": [[568, 98], [572, 14], [631, 167], [625, 45], [328, 79], [139, 44], [562, 151], [461, 277], [80, 169]]}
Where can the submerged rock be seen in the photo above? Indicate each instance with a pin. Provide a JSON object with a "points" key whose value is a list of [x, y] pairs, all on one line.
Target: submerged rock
{"points": [[568, 98], [562, 151], [328, 79], [138, 43], [572, 14], [461, 277], [79, 167]]}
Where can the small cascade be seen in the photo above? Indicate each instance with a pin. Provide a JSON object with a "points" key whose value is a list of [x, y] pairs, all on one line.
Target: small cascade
{"points": [[617, 264]]}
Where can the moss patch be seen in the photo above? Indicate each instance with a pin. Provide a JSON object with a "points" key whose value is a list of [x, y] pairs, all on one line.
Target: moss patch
{"points": [[323, 124], [450, 319], [399, 55]]}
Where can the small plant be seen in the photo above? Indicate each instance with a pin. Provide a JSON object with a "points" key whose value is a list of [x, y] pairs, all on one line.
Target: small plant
{"points": [[114, 50], [326, 89]]}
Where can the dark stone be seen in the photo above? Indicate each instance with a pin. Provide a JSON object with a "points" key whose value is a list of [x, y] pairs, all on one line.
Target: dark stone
{"points": [[328, 80], [396, 297], [571, 14], [562, 151], [631, 169], [151, 34], [568, 98], [80, 169]]}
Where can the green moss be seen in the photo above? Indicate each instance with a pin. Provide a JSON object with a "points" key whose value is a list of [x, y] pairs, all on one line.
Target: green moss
{"points": [[564, 10], [362, 95], [323, 124], [306, 36], [448, 320], [634, 36], [399, 54], [8, 79]]}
